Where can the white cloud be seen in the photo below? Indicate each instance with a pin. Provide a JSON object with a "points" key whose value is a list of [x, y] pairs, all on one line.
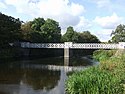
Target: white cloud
{"points": [[65, 12], [102, 3], [83, 25], [77, 9], [23, 6], [2, 5], [104, 34], [109, 22]]}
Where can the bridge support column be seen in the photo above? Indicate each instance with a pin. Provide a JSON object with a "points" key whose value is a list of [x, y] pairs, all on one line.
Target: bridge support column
{"points": [[67, 45], [66, 52]]}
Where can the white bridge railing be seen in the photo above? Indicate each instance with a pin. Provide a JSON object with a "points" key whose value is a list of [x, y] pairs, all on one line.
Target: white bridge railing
{"points": [[95, 46], [71, 45], [41, 45]]}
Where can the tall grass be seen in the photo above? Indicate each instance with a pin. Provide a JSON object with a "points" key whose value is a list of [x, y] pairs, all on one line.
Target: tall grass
{"points": [[107, 78]]}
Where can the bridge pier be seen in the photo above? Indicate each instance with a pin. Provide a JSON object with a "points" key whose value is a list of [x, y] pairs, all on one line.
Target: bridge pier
{"points": [[67, 45], [66, 52]]}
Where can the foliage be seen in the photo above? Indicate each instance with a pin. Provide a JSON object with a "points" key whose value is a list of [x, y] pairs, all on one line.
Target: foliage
{"points": [[51, 31], [119, 34], [40, 30], [103, 54], [26, 30], [84, 37], [107, 78], [9, 29], [70, 35], [94, 81], [87, 37], [37, 23]]}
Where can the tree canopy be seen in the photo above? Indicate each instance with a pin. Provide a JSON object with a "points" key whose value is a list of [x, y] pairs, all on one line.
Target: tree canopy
{"points": [[40, 30], [10, 29], [70, 35], [87, 37], [119, 34], [83, 37]]}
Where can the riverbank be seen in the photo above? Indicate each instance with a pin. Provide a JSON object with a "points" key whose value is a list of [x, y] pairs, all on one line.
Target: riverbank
{"points": [[106, 78]]}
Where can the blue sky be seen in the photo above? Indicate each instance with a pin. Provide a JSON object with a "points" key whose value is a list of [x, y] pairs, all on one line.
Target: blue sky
{"points": [[99, 17]]}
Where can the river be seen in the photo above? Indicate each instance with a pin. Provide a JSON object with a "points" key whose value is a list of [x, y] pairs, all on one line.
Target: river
{"points": [[39, 76]]}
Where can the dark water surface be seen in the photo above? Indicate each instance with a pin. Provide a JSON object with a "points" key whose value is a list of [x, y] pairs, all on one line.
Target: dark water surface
{"points": [[41, 76]]}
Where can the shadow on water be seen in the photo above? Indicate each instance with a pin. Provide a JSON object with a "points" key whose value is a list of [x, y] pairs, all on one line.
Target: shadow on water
{"points": [[41, 76]]}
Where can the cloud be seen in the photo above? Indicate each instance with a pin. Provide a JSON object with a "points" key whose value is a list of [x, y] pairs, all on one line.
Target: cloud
{"points": [[83, 25], [23, 6], [109, 22], [104, 34], [65, 12], [102, 3], [2, 5]]}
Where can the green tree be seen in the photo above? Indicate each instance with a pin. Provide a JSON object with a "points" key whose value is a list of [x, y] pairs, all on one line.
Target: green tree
{"points": [[10, 29], [40, 30], [51, 31], [26, 30], [119, 34], [87, 37], [70, 35], [37, 23]]}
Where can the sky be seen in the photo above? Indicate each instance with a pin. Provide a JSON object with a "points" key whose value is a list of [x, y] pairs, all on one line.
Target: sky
{"points": [[100, 17]]}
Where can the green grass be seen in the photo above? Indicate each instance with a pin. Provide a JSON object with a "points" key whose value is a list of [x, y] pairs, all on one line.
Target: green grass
{"points": [[107, 78]]}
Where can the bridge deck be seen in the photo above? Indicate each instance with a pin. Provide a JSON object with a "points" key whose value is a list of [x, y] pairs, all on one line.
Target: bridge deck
{"points": [[70, 45]]}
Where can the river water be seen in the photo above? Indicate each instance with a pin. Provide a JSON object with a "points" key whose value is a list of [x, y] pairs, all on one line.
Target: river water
{"points": [[41, 76]]}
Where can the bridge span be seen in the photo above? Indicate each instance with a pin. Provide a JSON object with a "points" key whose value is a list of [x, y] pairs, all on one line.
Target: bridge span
{"points": [[69, 45]]}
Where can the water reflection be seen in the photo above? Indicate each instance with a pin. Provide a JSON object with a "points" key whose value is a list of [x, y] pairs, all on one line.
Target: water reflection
{"points": [[66, 61], [33, 77], [18, 80]]}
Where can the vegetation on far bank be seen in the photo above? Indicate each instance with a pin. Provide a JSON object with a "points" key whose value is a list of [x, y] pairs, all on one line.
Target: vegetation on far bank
{"points": [[106, 78]]}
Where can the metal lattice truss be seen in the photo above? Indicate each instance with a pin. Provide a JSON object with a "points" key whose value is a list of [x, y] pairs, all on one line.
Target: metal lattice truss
{"points": [[95, 46], [70, 45], [42, 45]]}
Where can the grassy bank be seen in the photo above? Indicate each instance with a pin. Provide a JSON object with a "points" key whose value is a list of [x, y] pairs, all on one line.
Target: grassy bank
{"points": [[106, 78]]}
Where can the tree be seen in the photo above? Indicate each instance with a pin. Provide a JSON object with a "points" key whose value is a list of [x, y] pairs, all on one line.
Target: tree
{"points": [[70, 35], [10, 29], [119, 34], [87, 37], [40, 30], [26, 30], [51, 31], [37, 23]]}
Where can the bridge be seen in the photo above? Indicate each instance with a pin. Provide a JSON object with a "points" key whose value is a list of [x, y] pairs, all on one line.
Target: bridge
{"points": [[69, 45]]}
